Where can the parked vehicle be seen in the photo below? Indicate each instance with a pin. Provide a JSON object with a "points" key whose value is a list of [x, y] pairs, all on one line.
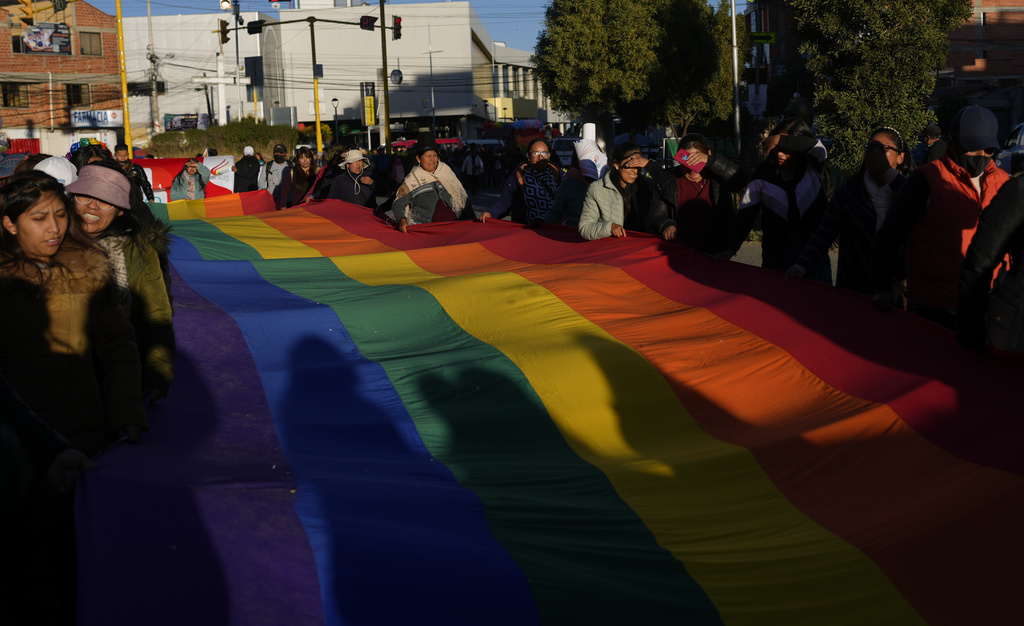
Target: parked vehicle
{"points": [[1011, 159], [563, 147], [452, 142]]}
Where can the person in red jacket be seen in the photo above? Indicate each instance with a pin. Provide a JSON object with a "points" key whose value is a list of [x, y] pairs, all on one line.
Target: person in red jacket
{"points": [[935, 216]]}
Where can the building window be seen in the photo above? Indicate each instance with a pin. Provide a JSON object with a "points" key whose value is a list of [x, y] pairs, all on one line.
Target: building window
{"points": [[78, 95], [17, 44], [92, 44], [15, 95]]}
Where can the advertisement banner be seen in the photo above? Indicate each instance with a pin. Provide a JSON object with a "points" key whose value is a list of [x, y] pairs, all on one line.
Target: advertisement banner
{"points": [[369, 103], [48, 37], [85, 118], [185, 122]]}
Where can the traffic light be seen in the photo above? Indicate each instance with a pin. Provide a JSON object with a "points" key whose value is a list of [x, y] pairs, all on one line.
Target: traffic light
{"points": [[396, 27], [224, 31], [255, 27], [366, 22]]}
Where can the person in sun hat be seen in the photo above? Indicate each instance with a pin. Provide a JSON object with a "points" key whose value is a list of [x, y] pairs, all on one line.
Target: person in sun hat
{"points": [[935, 216], [351, 184], [247, 171], [135, 243], [431, 192]]}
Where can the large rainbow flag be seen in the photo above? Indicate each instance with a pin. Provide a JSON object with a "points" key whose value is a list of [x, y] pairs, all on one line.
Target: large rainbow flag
{"points": [[475, 424]]}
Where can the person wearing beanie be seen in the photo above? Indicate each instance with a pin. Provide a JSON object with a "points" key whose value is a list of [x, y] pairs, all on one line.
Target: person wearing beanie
{"points": [[936, 146], [935, 216], [247, 171], [351, 184], [136, 243]]}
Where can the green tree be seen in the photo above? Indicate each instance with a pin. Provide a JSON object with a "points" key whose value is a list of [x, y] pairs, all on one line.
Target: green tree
{"points": [[875, 61], [715, 101], [599, 57]]}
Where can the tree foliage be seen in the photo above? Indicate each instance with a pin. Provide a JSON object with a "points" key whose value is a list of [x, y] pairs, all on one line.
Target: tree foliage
{"points": [[715, 101], [598, 57], [228, 139], [875, 61]]}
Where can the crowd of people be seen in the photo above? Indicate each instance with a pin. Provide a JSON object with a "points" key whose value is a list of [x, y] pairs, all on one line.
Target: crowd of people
{"points": [[904, 228], [85, 280]]}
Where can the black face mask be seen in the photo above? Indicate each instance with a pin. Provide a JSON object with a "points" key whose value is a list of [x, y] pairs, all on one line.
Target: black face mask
{"points": [[975, 165], [278, 158]]}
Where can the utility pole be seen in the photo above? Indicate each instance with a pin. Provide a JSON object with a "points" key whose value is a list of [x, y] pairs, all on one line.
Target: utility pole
{"points": [[386, 119], [156, 127], [221, 81], [735, 81], [433, 106], [124, 80], [238, 70]]}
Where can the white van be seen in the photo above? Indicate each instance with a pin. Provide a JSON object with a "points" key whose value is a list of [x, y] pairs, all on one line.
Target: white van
{"points": [[563, 147]]}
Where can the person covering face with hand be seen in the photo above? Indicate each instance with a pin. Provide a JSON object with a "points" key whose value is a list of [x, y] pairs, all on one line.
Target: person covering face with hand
{"points": [[530, 189]]}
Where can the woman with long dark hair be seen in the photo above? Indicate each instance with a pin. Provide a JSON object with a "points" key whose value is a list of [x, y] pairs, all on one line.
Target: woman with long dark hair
{"points": [[69, 350], [297, 179]]}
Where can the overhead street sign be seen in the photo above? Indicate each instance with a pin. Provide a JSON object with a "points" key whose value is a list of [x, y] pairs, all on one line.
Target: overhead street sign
{"points": [[761, 38]]}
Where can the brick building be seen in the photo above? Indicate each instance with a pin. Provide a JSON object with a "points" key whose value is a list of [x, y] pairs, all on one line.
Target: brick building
{"points": [[39, 90], [989, 48]]}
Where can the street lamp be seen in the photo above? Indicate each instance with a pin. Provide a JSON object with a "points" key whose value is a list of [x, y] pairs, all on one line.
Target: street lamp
{"points": [[334, 101], [504, 113]]}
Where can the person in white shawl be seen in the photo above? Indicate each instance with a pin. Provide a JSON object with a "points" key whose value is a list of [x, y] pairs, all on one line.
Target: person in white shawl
{"points": [[431, 192]]}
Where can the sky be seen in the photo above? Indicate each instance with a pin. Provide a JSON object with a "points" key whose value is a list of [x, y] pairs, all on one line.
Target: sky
{"points": [[515, 23]]}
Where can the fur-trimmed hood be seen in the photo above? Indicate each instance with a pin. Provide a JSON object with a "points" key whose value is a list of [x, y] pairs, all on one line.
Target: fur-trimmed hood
{"points": [[72, 262]]}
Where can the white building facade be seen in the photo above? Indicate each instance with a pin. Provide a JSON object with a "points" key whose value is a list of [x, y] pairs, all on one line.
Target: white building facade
{"points": [[186, 47], [454, 76]]}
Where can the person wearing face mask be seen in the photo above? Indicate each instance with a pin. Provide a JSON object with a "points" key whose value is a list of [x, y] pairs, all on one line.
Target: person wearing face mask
{"points": [[857, 210], [935, 215], [530, 188], [622, 200], [270, 177]]}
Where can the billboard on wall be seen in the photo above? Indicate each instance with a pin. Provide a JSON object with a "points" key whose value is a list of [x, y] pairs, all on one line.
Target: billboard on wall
{"points": [[87, 118], [185, 122], [49, 37]]}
